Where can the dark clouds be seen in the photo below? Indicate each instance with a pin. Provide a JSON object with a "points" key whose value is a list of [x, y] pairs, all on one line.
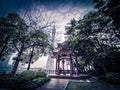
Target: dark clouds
{"points": [[16, 5]]}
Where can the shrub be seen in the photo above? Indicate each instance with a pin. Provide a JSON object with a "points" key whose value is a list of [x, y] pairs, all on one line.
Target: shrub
{"points": [[113, 77], [31, 85], [7, 81], [47, 79], [27, 80], [41, 74], [25, 76]]}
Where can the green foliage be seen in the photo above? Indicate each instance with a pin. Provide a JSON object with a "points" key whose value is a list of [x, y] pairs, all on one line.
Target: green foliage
{"points": [[11, 28], [113, 77], [27, 80], [94, 39], [7, 82], [31, 85], [41, 73], [110, 8], [26, 76], [17, 36], [95, 85]]}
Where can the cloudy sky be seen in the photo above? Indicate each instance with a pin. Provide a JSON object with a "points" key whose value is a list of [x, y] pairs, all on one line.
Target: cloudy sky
{"points": [[60, 11]]}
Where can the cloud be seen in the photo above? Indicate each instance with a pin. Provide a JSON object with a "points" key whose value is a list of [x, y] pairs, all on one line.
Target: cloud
{"points": [[61, 15], [60, 11]]}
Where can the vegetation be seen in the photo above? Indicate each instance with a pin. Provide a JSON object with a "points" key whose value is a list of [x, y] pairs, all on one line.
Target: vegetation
{"points": [[97, 85], [110, 8], [41, 73], [95, 38], [17, 36], [113, 78], [27, 80]]}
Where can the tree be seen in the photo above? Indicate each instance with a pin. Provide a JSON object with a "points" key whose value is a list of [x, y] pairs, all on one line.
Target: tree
{"points": [[93, 38], [20, 40], [39, 31], [9, 27], [110, 8], [39, 46], [30, 40]]}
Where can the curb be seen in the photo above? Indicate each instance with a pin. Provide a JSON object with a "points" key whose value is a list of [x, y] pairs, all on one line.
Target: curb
{"points": [[66, 85]]}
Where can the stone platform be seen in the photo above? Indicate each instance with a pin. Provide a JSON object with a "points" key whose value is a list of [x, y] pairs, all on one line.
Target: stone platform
{"points": [[76, 77]]}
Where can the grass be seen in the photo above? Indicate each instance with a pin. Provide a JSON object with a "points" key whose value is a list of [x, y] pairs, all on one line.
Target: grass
{"points": [[97, 85]]}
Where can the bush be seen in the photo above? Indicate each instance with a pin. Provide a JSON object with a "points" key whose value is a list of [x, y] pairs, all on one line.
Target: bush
{"points": [[47, 79], [113, 77], [28, 74], [41, 74], [27, 80], [25, 76], [31, 85], [7, 81]]}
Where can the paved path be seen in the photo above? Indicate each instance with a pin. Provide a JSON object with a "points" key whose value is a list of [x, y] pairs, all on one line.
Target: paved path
{"points": [[60, 84], [54, 84]]}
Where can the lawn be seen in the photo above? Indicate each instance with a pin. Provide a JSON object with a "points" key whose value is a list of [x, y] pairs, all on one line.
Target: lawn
{"points": [[96, 85]]}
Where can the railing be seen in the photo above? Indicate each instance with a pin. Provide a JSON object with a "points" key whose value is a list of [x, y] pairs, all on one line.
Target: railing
{"points": [[60, 71], [50, 71]]}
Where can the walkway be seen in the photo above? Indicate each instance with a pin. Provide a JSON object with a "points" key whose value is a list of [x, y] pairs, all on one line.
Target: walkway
{"points": [[60, 82], [54, 84]]}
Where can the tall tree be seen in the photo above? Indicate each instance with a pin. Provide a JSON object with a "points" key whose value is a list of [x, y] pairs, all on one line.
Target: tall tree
{"points": [[92, 38], [9, 28], [110, 8]]}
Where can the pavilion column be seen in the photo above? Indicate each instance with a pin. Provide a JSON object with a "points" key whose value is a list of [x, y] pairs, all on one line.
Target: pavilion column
{"points": [[56, 64], [56, 69], [63, 65], [71, 66]]}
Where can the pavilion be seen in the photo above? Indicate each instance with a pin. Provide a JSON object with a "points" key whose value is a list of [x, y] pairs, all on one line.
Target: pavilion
{"points": [[63, 54]]}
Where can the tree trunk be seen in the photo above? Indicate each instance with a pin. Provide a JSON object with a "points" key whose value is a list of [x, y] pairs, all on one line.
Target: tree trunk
{"points": [[78, 70], [17, 61], [31, 56], [104, 68]]}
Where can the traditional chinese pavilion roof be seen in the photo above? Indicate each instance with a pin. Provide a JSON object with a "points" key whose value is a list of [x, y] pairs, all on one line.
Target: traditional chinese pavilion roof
{"points": [[63, 51]]}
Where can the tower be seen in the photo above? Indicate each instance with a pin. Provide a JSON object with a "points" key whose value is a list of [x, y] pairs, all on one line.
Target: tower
{"points": [[50, 61]]}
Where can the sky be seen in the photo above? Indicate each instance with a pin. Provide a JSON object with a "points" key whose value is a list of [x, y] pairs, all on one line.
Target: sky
{"points": [[60, 11]]}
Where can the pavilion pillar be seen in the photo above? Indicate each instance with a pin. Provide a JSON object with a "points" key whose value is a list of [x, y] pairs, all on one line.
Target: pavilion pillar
{"points": [[71, 66], [56, 64], [63, 65]]}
